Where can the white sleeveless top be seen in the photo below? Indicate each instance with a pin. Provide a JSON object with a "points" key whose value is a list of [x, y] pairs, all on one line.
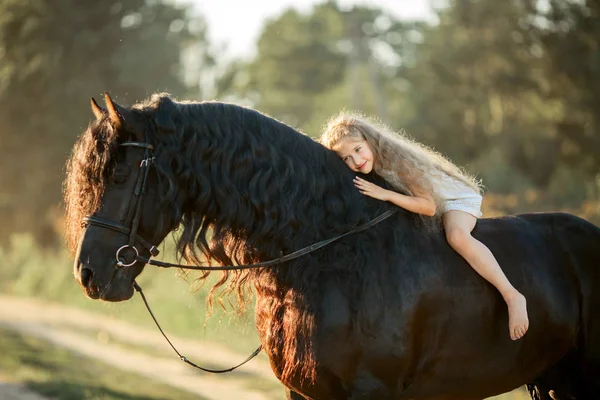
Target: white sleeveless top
{"points": [[456, 195]]}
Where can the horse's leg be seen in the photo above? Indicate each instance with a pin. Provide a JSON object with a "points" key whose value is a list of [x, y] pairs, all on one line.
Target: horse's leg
{"points": [[533, 391], [591, 352], [564, 381], [542, 391], [591, 372]]}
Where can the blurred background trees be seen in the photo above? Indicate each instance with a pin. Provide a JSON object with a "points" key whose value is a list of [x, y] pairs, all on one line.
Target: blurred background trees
{"points": [[54, 56], [507, 89]]}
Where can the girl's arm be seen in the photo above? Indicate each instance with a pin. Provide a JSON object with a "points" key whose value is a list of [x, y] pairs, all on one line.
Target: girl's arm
{"points": [[418, 203]]}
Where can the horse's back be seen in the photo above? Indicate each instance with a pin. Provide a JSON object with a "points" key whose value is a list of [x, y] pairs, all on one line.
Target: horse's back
{"points": [[554, 258], [569, 250], [554, 253]]}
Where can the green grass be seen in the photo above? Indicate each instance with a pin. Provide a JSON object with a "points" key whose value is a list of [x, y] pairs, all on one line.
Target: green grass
{"points": [[29, 272], [63, 375]]}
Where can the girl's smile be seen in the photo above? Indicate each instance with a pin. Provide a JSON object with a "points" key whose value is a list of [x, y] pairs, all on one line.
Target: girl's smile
{"points": [[357, 155]]}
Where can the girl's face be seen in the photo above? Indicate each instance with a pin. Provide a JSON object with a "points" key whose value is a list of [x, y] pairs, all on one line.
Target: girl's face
{"points": [[357, 155]]}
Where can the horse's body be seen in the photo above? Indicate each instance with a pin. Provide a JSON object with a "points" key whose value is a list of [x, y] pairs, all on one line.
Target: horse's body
{"points": [[389, 313]]}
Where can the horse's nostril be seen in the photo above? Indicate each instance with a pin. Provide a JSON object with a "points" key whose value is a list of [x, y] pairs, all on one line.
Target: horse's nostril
{"points": [[86, 276]]}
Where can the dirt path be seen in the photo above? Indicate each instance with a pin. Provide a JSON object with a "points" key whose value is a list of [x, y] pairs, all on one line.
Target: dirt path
{"points": [[55, 324], [14, 391]]}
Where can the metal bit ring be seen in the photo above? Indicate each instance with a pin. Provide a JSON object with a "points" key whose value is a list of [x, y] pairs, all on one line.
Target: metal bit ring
{"points": [[120, 263]]}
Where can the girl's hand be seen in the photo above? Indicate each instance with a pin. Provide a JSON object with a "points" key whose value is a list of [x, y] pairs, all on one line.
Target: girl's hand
{"points": [[370, 189], [419, 204]]}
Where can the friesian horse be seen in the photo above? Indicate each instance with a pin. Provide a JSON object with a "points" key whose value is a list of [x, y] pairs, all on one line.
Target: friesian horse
{"points": [[391, 312]]}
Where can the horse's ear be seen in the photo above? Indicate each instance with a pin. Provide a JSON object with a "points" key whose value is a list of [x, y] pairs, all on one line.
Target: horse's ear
{"points": [[96, 109], [121, 117], [113, 112]]}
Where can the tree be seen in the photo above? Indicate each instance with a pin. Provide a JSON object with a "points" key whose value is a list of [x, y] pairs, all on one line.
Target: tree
{"points": [[569, 35], [305, 59], [55, 55], [296, 60]]}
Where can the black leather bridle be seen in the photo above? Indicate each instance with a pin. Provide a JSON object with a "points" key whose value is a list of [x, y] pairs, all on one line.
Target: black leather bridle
{"points": [[132, 223], [133, 213]]}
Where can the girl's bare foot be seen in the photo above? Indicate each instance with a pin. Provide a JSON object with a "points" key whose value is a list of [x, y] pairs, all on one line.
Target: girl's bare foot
{"points": [[518, 322]]}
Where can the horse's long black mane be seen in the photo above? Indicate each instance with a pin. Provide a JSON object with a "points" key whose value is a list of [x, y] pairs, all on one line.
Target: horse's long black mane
{"points": [[248, 176], [242, 168], [254, 188]]}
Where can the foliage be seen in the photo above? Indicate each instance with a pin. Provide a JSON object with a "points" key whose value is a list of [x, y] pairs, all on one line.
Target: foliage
{"points": [[55, 55], [290, 68], [571, 44]]}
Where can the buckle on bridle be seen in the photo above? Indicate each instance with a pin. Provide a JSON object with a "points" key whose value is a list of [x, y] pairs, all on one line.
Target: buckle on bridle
{"points": [[147, 161]]}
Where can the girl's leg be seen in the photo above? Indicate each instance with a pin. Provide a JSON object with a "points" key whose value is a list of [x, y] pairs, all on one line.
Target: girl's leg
{"points": [[458, 226]]}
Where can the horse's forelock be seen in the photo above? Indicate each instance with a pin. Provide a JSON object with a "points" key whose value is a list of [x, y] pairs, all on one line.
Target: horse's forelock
{"points": [[91, 160]]}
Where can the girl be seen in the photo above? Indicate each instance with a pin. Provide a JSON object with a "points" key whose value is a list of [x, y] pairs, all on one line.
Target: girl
{"points": [[436, 186]]}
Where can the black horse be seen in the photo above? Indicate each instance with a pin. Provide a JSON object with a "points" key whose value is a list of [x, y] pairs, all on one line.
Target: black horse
{"points": [[387, 313]]}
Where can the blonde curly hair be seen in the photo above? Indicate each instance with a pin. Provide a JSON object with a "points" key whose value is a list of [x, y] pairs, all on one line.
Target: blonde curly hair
{"points": [[407, 165]]}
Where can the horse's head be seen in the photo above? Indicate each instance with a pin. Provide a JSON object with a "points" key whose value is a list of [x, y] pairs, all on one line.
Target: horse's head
{"points": [[112, 191]]}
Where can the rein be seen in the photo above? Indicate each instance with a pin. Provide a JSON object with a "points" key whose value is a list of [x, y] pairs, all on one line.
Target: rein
{"points": [[276, 261], [182, 357], [130, 228]]}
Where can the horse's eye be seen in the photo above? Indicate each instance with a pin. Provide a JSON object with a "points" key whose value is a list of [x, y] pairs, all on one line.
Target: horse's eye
{"points": [[121, 173]]}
